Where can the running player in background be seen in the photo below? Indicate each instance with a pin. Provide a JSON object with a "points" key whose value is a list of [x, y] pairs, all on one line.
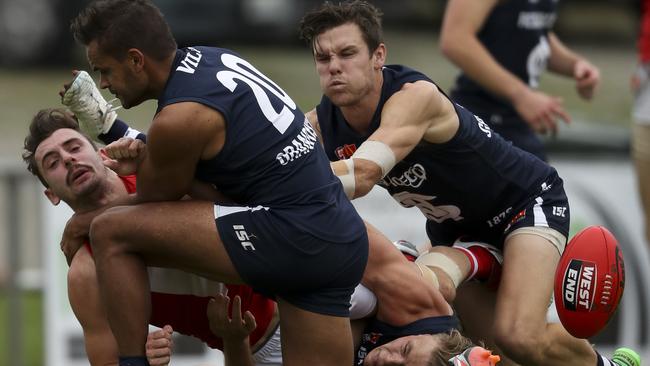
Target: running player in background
{"points": [[291, 232], [392, 126], [641, 115], [502, 48]]}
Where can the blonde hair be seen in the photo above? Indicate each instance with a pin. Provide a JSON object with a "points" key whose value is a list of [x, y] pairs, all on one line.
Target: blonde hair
{"points": [[451, 344]]}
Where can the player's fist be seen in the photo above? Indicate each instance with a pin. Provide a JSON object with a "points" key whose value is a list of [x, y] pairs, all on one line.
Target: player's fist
{"points": [[587, 77], [159, 346], [124, 155]]}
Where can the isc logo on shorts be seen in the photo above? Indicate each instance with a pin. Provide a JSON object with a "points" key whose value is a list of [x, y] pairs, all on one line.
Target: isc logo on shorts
{"points": [[243, 237], [579, 285]]}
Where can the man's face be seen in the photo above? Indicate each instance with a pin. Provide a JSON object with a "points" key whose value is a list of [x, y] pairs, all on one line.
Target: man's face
{"points": [[70, 165], [346, 69], [413, 350], [116, 76]]}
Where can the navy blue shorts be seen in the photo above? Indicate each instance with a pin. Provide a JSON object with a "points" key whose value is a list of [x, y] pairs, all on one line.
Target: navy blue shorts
{"points": [[548, 207], [277, 259]]}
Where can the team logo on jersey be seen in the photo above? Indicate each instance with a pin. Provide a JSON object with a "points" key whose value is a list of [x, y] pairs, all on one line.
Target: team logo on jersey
{"points": [[345, 151], [413, 177], [244, 237], [191, 61], [303, 144], [579, 285]]}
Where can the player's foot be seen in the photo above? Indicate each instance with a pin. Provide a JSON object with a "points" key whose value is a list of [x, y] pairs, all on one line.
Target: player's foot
{"points": [[94, 113], [475, 356], [407, 248], [626, 357]]}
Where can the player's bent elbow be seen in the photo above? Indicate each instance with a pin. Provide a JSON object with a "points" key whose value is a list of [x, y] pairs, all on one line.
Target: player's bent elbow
{"points": [[447, 46]]}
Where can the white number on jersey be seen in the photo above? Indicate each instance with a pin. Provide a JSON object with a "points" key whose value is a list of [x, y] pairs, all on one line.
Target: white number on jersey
{"points": [[258, 83]]}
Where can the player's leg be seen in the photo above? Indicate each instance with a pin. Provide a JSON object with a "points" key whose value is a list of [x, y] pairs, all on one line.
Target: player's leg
{"points": [[329, 340], [179, 234], [641, 155], [83, 293], [521, 329]]}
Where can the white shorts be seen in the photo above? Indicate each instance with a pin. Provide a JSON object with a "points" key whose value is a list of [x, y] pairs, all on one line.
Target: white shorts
{"points": [[271, 353]]}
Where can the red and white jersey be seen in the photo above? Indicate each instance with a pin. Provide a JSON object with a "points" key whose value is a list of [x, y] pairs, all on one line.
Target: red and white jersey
{"points": [[180, 299]]}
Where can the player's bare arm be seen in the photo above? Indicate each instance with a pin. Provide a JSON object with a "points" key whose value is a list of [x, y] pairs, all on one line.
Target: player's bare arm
{"points": [[180, 135], [459, 42], [405, 119], [566, 62], [86, 304], [233, 329], [312, 117]]}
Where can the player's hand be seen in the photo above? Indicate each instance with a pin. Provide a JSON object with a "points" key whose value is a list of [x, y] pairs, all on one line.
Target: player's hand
{"points": [[587, 77], [124, 155], [235, 328], [66, 86], [541, 111], [159, 346], [74, 235], [639, 77]]}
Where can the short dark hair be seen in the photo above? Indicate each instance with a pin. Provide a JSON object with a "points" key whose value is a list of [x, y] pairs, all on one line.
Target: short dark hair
{"points": [[118, 25], [43, 125], [365, 15]]}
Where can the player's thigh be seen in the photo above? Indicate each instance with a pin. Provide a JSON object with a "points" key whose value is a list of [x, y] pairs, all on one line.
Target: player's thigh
{"points": [[309, 338], [179, 234], [526, 283]]}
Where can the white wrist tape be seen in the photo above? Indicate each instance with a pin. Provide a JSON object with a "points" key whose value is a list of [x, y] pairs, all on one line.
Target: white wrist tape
{"points": [[377, 152], [444, 263], [363, 303], [347, 179]]}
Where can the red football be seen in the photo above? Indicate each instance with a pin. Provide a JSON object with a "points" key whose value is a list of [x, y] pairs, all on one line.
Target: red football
{"points": [[589, 281]]}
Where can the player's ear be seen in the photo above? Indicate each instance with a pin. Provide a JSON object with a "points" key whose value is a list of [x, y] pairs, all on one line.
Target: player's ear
{"points": [[52, 196], [379, 56], [135, 59]]}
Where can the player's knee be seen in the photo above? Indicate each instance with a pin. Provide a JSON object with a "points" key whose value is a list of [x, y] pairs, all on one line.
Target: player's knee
{"points": [[82, 272], [520, 344], [104, 230]]}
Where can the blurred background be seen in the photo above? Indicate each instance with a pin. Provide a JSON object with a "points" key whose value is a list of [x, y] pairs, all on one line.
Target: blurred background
{"points": [[38, 52]]}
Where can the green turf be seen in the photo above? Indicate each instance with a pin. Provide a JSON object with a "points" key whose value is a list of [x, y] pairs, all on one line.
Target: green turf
{"points": [[32, 330]]}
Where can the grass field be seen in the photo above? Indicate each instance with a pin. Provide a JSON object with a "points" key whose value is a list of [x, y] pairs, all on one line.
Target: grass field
{"points": [[32, 331], [24, 91]]}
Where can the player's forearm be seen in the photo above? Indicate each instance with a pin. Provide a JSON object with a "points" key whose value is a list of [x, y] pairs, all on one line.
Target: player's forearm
{"points": [[121, 129], [477, 63], [563, 59], [237, 353]]}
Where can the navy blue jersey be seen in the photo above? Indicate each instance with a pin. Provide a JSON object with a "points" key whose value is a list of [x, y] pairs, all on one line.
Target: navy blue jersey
{"points": [[271, 156], [378, 333], [472, 184], [515, 33]]}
